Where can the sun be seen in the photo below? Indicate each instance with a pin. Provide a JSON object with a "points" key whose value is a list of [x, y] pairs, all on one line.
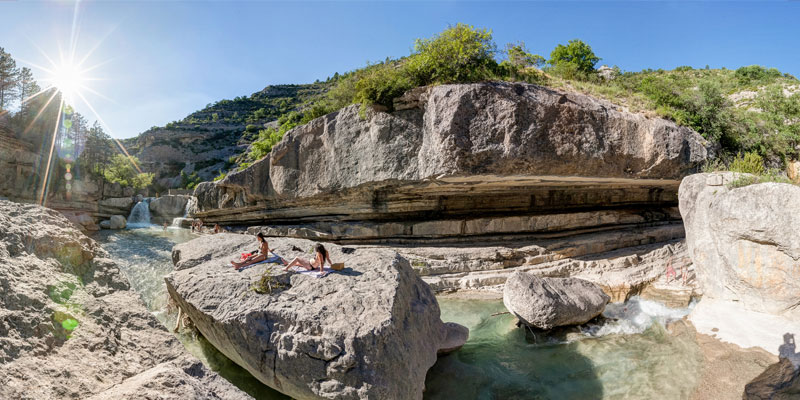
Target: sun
{"points": [[69, 79]]}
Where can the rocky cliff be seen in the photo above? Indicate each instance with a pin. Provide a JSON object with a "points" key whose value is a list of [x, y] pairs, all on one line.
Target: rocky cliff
{"points": [[71, 327], [454, 150], [508, 175], [744, 244]]}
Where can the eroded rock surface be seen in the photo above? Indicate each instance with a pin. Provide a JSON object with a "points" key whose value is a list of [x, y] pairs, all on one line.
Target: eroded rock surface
{"points": [[71, 327], [459, 150], [370, 331], [744, 241], [546, 303], [169, 206]]}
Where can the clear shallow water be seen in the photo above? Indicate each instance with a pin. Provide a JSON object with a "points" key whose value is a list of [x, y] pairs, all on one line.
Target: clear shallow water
{"points": [[144, 254], [633, 357], [499, 361]]}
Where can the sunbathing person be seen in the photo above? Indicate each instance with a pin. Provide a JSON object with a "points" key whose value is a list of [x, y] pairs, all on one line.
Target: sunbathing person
{"points": [[318, 262], [263, 251]]}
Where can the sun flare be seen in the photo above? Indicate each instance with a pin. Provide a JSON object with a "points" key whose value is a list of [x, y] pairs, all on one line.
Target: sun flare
{"points": [[69, 79]]}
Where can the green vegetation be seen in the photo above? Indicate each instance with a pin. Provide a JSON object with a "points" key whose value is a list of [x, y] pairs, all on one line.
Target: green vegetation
{"points": [[267, 283], [748, 110], [576, 60], [121, 170], [189, 181]]}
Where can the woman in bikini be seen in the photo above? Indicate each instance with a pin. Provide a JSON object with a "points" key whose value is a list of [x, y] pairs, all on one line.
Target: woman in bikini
{"points": [[263, 251], [319, 260]]}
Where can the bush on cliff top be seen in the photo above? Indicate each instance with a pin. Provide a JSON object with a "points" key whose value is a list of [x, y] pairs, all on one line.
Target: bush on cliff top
{"points": [[705, 100]]}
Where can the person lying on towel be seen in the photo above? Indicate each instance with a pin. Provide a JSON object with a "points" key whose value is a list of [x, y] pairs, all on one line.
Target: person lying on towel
{"points": [[319, 260], [260, 257]]}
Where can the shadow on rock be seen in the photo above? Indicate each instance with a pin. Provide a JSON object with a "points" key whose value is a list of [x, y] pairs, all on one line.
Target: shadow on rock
{"points": [[780, 380]]}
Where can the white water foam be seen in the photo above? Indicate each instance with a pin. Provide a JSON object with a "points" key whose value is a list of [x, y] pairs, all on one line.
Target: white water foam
{"points": [[635, 316], [140, 215]]}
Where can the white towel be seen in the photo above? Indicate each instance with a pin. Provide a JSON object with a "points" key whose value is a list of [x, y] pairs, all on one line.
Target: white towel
{"points": [[314, 272]]}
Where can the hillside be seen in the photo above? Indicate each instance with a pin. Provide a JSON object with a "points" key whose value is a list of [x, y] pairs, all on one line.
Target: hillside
{"points": [[750, 110], [204, 142]]}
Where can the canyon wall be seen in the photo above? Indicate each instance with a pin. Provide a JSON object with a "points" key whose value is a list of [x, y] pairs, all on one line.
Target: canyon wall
{"points": [[473, 181]]}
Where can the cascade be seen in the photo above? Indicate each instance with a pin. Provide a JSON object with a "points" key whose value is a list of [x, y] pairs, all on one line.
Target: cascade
{"points": [[140, 215]]}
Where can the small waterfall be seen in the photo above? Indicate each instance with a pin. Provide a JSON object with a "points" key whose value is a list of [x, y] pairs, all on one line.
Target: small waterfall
{"points": [[177, 222], [140, 215]]}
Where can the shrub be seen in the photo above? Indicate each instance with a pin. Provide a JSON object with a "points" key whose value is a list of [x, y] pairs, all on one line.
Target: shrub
{"points": [[750, 163], [381, 84], [459, 54], [755, 73]]}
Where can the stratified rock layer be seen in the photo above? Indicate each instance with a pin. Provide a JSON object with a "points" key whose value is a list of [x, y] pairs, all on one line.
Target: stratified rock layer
{"points": [[546, 303], [370, 331], [455, 153], [71, 327]]}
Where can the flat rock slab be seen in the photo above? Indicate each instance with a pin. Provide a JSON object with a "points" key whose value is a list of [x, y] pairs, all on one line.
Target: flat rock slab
{"points": [[370, 331], [546, 303]]}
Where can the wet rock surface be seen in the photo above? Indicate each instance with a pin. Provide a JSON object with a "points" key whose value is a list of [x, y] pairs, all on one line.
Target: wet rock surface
{"points": [[71, 327], [370, 331]]}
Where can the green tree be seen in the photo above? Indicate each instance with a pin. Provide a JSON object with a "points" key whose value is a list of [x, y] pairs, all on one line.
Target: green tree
{"points": [[519, 56], [121, 170], [9, 78], [97, 150], [27, 88], [576, 56]]}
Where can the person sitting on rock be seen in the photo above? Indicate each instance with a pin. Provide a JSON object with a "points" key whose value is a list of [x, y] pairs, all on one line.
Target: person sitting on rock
{"points": [[263, 251], [217, 229], [318, 262]]}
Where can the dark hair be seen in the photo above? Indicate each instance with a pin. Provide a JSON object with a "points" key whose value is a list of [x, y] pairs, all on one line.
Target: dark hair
{"points": [[261, 236], [321, 249]]}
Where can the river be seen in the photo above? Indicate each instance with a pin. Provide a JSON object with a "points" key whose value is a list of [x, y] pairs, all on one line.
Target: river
{"points": [[632, 355]]}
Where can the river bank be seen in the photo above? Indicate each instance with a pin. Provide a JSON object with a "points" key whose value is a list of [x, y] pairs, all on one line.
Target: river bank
{"points": [[650, 350]]}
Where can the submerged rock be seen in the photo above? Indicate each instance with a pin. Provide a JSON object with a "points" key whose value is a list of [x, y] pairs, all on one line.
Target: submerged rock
{"points": [[546, 303], [370, 331], [71, 327]]}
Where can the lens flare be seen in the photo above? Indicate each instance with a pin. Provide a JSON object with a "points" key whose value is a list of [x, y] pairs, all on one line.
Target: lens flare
{"points": [[69, 79]]}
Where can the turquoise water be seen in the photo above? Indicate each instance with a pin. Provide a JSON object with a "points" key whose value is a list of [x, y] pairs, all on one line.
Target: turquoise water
{"points": [[632, 357], [144, 255], [499, 361]]}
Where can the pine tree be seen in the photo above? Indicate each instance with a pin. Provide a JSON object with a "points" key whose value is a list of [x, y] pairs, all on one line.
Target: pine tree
{"points": [[8, 79], [27, 88]]}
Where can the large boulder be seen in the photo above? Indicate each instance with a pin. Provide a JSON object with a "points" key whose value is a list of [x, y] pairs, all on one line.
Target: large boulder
{"points": [[743, 242], [72, 328], [117, 222], [169, 206], [370, 331], [115, 205], [546, 303]]}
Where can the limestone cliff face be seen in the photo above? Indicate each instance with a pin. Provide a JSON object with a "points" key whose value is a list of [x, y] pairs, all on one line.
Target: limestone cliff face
{"points": [[451, 150]]}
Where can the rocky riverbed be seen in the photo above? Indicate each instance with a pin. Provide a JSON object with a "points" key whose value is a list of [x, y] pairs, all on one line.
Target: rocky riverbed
{"points": [[72, 327]]}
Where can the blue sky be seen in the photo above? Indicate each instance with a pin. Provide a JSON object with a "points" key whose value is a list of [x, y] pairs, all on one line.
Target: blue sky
{"points": [[163, 60]]}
